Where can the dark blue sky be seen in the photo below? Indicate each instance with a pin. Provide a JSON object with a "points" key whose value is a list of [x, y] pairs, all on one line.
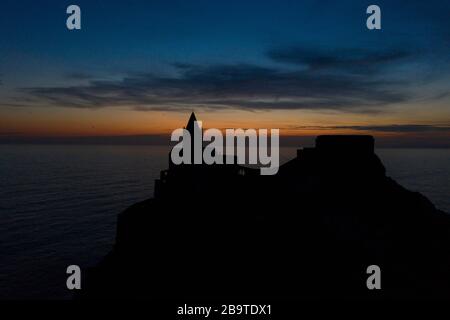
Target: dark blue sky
{"points": [[125, 36], [229, 55]]}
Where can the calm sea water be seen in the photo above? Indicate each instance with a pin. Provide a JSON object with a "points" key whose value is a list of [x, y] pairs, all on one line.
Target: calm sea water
{"points": [[59, 204]]}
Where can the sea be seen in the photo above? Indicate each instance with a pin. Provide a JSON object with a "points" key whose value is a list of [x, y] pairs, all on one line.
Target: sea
{"points": [[59, 204]]}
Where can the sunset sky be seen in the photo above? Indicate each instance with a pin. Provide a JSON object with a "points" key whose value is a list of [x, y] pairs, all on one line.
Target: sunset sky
{"points": [[305, 67]]}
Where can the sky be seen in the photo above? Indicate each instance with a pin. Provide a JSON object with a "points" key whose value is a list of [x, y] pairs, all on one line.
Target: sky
{"points": [[306, 67]]}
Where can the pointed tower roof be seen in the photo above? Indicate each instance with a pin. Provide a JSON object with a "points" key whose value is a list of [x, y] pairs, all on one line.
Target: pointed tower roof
{"points": [[191, 123]]}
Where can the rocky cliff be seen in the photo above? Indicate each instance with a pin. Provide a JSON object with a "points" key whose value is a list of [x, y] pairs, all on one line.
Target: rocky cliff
{"points": [[310, 231]]}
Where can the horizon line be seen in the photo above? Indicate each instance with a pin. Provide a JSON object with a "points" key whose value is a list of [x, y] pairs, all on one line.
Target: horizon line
{"points": [[397, 141]]}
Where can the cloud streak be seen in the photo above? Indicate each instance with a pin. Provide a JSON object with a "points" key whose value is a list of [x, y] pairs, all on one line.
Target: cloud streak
{"points": [[78, 76], [355, 60], [392, 128], [344, 80]]}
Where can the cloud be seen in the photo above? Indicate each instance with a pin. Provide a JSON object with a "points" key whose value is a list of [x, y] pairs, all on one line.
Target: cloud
{"points": [[244, 86], [78, 76], [406, 128], [355, 60], [394, 128], [10, 133]]}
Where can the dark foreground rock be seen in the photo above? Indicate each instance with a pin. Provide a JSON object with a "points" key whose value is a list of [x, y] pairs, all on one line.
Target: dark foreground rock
{"points": [[217, 232]]}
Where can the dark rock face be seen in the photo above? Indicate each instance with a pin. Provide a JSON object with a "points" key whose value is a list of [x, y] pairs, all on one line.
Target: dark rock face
{"points": [[311, 231]]}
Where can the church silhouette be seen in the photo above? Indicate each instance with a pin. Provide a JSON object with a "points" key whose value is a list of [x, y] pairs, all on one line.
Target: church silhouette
{"points": [[308, 232]]}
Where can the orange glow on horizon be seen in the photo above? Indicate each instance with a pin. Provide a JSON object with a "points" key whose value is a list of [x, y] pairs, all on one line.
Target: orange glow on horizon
{"points": [[67, 122]]}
